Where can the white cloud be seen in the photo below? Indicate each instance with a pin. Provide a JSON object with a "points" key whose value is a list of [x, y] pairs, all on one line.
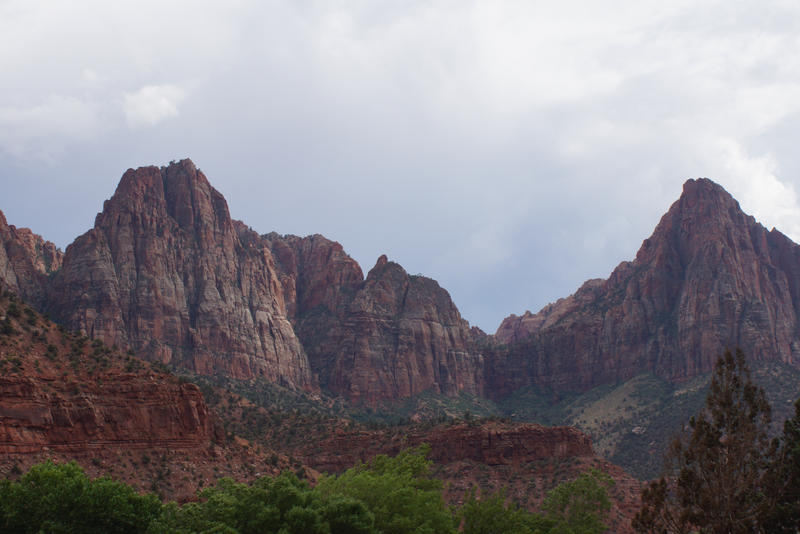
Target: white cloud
{"points": [[754, 181], [43, 130], [486, 141], [152, 104]]}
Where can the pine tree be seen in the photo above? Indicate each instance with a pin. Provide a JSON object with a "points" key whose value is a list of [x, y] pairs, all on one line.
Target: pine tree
{"points": [[717, 476], [785, 479]]}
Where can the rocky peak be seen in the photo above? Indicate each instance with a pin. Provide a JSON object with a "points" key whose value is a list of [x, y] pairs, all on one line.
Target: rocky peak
{"points": [[704, 214], [26, 261], [403, 335], [382, 260], [164, 272], [178, 191], [709, 277]]}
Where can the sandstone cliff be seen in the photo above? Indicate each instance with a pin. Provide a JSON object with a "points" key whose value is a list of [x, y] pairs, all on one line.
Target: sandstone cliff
{"points": [[165, 273], [403, 335], [488, 443], [26, 260], [63, 393], [709, 277], [383, 338], [64, 397], [523, 460]]}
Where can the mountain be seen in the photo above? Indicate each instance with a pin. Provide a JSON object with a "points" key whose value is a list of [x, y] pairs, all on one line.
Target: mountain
{"points": [[709, 277], [66, 397], [26, 260], [166, 272]]}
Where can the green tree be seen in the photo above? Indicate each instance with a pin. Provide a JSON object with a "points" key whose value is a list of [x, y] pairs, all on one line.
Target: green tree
{"points": [[492, 513], [399, 492], [716, 476], [784, 518], [579, 506], [283, 504], [59, 498]]}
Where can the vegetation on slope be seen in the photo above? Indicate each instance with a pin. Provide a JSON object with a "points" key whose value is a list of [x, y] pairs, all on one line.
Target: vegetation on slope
{"points": [[388, 495]]}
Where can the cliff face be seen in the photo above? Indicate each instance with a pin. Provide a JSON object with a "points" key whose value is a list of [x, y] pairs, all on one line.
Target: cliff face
{"points": [[708, 278], [61, 393], [26, 260], [382, 338], [403, 335], [167, 273], [524, 461], [41, 413], [164, 272], [489, 444]]}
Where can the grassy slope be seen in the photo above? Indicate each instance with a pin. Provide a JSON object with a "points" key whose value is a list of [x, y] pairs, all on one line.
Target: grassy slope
{"points": [[632, 423]]}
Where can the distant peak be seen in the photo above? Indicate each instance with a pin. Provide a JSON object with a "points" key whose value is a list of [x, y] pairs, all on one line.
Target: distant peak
{"points": [[382, 260], [185, 163], [705, 188]]}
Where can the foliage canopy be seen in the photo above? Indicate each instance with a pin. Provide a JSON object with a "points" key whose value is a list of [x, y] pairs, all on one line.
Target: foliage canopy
{"points": [[386, 495], [724, 473]]}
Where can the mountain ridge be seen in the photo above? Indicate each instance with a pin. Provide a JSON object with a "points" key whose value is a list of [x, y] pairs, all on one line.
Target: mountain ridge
{"points": [[709, 277], [168, 273]]}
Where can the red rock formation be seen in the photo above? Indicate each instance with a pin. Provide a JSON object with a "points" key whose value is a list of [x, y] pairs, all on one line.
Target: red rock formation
{"points": [[42, 413], [164, 272], [65, 398], [709, 277], [523, 460], [488, 443], [60, 393], [26, 260], [385, 338], [403, 335]]}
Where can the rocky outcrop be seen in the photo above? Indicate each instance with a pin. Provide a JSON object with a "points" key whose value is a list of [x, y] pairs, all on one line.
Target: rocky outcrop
{"points": [[67, 395], [165, 273], [487, 443], [524, 461], [26, 260], [403, 335], [709, 277], [319, 280], [64, 397], [383, 338], [39, 413]]}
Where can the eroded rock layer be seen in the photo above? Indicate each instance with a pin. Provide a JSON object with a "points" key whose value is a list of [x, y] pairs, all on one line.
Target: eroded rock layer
{"points": [[708, 278], [26, 260], [165, 273]]}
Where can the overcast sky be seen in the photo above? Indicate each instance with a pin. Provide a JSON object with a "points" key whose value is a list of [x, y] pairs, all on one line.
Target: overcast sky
{"points": [[510, 150]]}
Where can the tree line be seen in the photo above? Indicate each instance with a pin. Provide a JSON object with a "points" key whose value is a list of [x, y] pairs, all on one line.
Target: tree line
{"points": [[723, 473], [392, 495]]}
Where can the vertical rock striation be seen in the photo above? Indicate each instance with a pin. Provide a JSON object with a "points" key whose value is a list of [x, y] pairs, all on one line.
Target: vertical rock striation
{"points": [[403, 335], [708, 278], [383, 338], [26, 262], [164, 272]]}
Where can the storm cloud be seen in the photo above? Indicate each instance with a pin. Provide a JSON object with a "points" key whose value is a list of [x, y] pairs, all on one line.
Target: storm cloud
{"points": [[509, 150]]}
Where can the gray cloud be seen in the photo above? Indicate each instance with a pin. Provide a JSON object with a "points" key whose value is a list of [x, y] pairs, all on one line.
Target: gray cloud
{"points": [[510, 150]]}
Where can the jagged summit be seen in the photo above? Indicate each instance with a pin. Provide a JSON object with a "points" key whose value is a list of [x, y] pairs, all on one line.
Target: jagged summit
{"points": [[709, 277], [168, 273]]}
